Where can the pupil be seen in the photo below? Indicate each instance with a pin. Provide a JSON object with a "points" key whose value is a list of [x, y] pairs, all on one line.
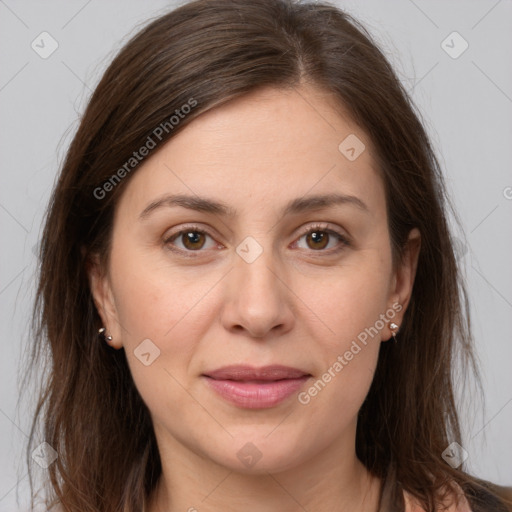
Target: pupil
{"points": [[192, 238], [318, 237]]}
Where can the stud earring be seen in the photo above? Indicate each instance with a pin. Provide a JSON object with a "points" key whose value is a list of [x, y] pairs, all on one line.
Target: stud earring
{"points": [[103, 332], [394, 330]]}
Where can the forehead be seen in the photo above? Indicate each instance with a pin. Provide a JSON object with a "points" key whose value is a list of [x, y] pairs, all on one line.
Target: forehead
{"points": [[272, 145]]}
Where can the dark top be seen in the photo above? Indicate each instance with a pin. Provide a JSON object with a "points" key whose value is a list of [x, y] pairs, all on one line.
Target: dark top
{"points": [[479, 499]]}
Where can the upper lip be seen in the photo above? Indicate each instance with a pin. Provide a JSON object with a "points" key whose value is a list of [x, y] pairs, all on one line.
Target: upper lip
{"points": [[242, 373]]}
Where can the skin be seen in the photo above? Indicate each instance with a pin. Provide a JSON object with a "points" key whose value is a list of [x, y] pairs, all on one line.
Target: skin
{"points": [[293, 305]]}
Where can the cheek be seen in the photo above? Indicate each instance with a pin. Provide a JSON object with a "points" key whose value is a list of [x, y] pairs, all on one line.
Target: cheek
{"points": [[350, 299], [170, 307], [172, 310], [354, 311], [348, 355], [152, 296]]}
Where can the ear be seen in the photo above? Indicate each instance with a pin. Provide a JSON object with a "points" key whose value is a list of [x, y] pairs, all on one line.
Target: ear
{"points": [[403, 277], [101, 290]]}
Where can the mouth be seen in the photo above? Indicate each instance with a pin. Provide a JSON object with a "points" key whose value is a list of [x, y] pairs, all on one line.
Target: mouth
{"points": [[256, 388]]}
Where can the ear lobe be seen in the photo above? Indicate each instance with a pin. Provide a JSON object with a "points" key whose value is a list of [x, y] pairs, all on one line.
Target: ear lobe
{"points": [[103, 297]]}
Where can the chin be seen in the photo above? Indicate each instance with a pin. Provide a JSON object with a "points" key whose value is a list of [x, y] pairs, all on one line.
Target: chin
{"points": [[260, 454]]}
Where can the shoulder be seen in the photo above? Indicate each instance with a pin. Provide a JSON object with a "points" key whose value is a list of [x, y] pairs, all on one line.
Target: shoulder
{"points": [[474, 499], [455, 503], [488, 497]]}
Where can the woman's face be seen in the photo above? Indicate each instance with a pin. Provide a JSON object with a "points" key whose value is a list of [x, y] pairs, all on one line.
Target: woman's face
{"points": [[250, 287]]}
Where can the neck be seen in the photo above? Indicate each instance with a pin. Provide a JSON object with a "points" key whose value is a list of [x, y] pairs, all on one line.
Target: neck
{"points": [[329, 481]]}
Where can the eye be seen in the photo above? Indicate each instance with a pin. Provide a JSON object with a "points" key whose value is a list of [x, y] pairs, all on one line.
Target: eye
{"points": [[319, 236], [192, 239]]}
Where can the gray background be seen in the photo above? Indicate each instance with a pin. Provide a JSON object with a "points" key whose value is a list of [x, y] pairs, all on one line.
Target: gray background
{"points": [[466, 103]]}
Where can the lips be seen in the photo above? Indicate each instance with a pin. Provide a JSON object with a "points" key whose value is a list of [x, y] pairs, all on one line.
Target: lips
{"points": [[247, 373], [256, 388]]}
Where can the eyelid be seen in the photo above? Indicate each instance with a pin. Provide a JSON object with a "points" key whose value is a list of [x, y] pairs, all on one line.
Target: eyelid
{"points": [[344, 239], [184, 229]]}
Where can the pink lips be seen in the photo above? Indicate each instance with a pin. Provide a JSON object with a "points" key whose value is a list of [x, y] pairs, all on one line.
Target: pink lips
{"points": [[256, 388]]}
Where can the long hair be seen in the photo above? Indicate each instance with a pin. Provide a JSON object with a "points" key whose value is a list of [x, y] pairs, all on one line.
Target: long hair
{"points": [[202, 55]]}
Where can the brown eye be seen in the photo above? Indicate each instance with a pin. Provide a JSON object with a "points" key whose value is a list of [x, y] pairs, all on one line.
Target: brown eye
{"points": [[318, 239], [189, 240], [193, 239]]}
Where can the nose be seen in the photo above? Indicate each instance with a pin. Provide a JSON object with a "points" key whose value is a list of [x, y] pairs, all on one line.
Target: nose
{"points": [[257, 297]]}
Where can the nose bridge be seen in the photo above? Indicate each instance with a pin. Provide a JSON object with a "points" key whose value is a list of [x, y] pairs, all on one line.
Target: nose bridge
{"points": [[255, 267], [257, 301]]}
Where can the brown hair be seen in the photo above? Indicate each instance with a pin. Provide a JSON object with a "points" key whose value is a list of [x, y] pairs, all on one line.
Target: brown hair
{"points": [[204, 54]]}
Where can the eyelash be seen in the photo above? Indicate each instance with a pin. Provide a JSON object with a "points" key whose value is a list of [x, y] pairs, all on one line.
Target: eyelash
{"points": [[317, 227]]}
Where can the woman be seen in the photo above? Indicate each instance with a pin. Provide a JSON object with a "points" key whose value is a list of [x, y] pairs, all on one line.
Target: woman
{"points": [[248, 286]]}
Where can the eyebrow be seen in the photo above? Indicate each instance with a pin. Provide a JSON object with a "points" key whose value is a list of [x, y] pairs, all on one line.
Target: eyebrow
{"points": [[295, 206]]}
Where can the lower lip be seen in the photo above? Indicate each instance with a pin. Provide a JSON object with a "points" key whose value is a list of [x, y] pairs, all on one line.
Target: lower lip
{"points": [[256, 395]]}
